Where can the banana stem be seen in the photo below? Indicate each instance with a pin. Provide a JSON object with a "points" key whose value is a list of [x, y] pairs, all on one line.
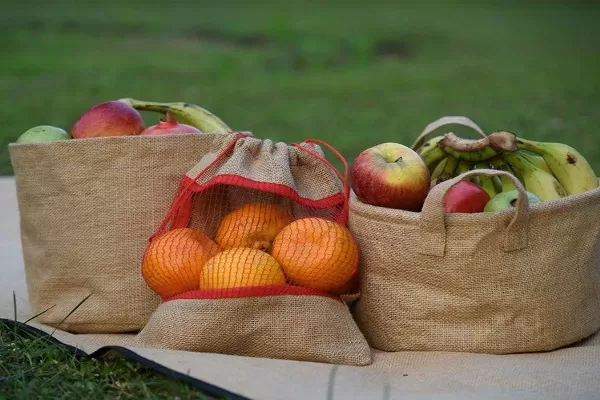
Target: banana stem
{"points": [[480, 149]]}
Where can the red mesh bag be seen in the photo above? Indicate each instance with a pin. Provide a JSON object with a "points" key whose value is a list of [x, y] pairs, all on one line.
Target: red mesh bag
{"points": [[254, 256]]}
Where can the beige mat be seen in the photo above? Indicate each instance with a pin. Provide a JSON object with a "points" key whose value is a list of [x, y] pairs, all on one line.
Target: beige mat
{"points": [[569, 373]]}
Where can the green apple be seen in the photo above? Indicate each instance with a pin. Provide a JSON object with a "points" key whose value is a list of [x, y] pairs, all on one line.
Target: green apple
{"points": [[43, 134], [508, 199]]}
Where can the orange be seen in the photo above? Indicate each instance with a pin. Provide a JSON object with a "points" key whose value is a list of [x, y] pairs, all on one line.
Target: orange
{"points": [[172, 262], [241, 267], [253, 225], [316, 253]]}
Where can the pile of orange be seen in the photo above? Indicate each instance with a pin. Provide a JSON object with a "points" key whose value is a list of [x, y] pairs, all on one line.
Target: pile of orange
{"points": [[257, 244]]}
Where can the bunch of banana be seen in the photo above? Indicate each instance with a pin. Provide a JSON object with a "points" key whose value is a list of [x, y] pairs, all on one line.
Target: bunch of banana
{"points": [[547, 170], [185, 113]]}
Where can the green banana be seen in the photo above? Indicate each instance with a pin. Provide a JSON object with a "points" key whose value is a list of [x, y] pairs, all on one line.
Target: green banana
{"points": [[463, 166], [486, 181], [476, 150], [431, 153], [497, 184], [507, 183], [569, 167], [428, 145], [448, 169], [185, 113], [536, 180], [536, 160], [476, 180], [431, 142], [437, 171]]}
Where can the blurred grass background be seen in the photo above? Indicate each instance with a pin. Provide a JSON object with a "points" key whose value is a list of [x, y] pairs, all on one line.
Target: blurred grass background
{"points": [[353, 74]]}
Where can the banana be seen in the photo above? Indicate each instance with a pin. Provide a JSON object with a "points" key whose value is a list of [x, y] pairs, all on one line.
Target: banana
{"points": [[536, 180], [428, 145], [185, 113], [569, 167], [507, 184], [486, 181], [536, 160], [447, 170], [497, 184], [438, 170], [419, 147], [463, 166], [476, 150], [431, 153]]}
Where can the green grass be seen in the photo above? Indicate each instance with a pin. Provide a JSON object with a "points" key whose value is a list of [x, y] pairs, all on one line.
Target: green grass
{"points": [[352, 76], [35, 367]]}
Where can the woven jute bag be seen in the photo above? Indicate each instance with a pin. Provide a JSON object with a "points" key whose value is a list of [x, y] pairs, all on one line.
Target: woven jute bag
{"points": [[87, 207], [271, 318], [517, 280]]}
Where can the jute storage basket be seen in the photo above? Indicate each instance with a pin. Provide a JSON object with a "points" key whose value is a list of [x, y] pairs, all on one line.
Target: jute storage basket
{"points": [[87, 208], [511, 281]]}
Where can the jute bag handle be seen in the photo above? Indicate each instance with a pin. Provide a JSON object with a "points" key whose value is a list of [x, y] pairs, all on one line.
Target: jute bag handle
{"points": [[343, 178], [464, 121], [432, 224]]}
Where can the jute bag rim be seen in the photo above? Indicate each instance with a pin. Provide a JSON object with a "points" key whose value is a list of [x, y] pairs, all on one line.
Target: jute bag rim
{"points": [[72, 141], [431, 222], [412, 217]]}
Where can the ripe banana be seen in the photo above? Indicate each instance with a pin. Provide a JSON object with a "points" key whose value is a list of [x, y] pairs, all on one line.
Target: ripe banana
{"points": [[536, 180], [185, 113], [480, 149], [569, 167], [431, 153], [536, 160]]}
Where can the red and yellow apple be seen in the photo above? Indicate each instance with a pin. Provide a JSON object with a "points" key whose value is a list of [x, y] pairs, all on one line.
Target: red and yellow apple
{"points": [[465, 197], [390, 175], [111, 118]]}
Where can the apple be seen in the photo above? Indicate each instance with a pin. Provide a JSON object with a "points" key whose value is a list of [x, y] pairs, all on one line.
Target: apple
{"points": [[508, 199], [43, 134], [465, 197], [168, 125], [111, 118], [390, 175]]}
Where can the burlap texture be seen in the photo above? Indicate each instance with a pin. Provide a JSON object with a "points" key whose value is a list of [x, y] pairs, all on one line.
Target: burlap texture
{"points": [[504, 282], [87, 208], [263, 160], [299, 327]]}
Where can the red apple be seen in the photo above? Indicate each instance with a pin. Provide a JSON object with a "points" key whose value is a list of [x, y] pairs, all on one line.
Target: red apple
{"points": [[111, 118], [390, 175], [465, 197]]}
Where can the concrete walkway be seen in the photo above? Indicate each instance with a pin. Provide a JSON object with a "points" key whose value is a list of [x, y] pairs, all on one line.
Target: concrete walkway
{"points": [[12, 276]]}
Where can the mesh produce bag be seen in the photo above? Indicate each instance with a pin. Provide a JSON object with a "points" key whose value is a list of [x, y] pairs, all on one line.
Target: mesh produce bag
{"points": [[254, 255]]}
